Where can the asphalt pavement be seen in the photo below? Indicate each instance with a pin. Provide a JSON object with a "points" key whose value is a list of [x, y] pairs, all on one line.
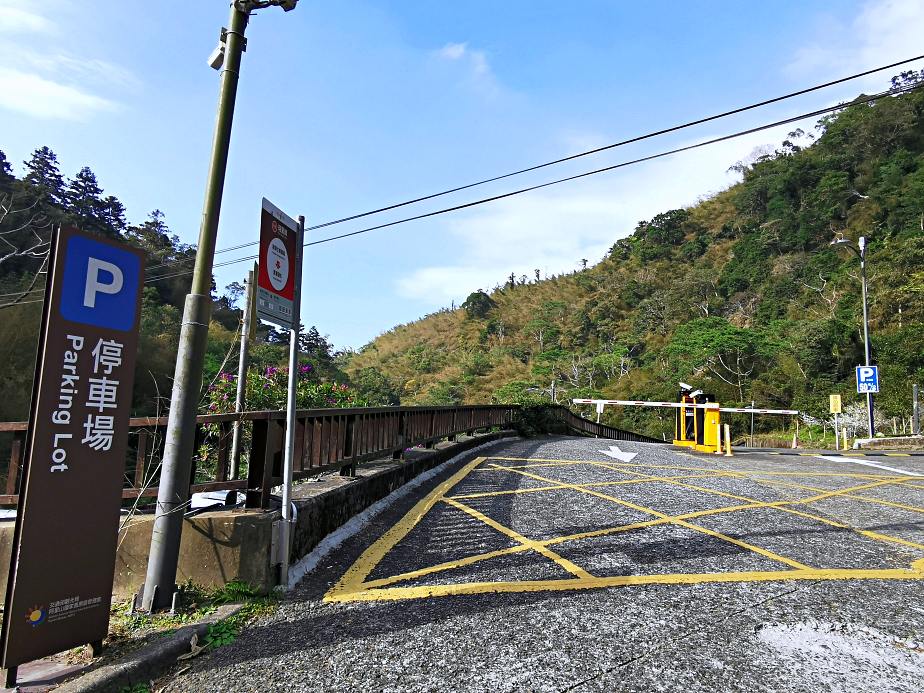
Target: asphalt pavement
{"points": [[560, 564]]}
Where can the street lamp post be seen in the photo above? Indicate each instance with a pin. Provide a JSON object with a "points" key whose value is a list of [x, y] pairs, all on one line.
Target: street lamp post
{"points": [[173, 489], [860, 251]]}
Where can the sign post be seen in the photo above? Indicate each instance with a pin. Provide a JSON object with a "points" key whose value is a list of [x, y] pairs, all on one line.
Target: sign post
{"points": [[63, 556], [248, 329], [279, 290], [835, 409]]}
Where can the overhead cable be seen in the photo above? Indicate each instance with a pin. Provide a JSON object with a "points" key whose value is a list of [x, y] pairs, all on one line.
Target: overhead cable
{"points": [[631, 140]]}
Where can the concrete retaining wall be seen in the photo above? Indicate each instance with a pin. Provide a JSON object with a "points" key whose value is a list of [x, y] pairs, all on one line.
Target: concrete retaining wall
{"points": [[226, 545]]}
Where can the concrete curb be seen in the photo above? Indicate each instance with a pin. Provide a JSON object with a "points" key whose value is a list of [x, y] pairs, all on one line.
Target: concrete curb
{"points": [[802, 452], [147, 663], [335, 538], [873, 443]]}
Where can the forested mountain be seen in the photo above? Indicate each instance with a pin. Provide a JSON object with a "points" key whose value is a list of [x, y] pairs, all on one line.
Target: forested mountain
{"points": [[741, 295], [42, 197]]}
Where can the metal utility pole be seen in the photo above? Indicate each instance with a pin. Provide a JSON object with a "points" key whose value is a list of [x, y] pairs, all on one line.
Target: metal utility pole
{"points": [[243, 363], [916, 412], [173, 491], [861, 253], [866, 349], [752, 423], [289, 459]]}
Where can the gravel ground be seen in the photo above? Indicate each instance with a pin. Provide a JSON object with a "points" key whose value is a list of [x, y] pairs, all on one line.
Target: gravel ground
{"points": [[691, 634]]}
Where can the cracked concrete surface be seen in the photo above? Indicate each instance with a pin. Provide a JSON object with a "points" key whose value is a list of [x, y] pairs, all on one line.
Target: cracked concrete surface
{"points": [[765, 630]]}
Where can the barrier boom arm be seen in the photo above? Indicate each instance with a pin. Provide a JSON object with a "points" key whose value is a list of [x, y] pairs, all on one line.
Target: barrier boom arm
{"points": [[678, 405]]}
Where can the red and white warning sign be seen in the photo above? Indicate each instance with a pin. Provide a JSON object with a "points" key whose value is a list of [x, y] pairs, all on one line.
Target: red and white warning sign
{"points": [[278, 256]]}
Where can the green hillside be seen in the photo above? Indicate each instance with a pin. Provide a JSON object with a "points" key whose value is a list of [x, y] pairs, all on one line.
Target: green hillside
{"points": [[740, 295], [31, 205]]}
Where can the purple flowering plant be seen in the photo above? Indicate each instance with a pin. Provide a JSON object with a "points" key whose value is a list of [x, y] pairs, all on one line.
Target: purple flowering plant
{"points": [[267, 388]]}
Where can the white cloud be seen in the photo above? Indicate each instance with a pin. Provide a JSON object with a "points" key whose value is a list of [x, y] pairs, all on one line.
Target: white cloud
{"points": [[553, 229], [15, 20], [46, 80], [452, 51], [884, 31], [475, 62], [35, 96]]}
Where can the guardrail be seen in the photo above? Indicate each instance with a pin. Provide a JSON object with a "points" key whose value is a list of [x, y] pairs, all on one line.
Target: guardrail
{"points": [[325, 440], [579, 424]]}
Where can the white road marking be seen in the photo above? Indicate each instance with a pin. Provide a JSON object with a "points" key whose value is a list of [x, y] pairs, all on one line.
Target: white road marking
{"points": [[618, 454], [869, 464]]}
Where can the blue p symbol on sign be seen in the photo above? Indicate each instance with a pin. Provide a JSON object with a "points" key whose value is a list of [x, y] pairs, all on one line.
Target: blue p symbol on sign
{"points": [[867, 379], [100, 284]]}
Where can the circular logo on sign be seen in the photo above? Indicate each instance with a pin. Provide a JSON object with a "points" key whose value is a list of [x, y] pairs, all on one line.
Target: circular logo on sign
{"points": [[36, 615], [277, 264]]}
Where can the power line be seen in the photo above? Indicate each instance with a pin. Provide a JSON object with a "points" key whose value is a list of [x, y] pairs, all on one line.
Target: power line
{"points": [[631, 140], [741, 133], [723, 138]]}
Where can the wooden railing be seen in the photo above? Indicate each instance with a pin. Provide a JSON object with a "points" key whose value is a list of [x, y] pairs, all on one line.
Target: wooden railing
{"points": [[579, 424], [325, 439]]}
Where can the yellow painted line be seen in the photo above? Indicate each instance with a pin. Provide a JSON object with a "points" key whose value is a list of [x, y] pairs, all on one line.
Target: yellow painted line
{"points": [[352, 588], [575, 570], [780, 505], [559, 486], [555, 463], [398, 593], [866, 499], [489, 494], [717, 535], [447, 565], [857, 475], [468, 560], [372, 556], [897, 454]]}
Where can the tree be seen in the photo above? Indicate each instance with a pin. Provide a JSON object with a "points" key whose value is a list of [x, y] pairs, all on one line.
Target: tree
{"points": [[542, 331], [169, 262], [86, 207], [314, 344], [478, 304], [112, 215], [374, 387], [233, 293], [6, 173], [713, 346], [44, 176]]}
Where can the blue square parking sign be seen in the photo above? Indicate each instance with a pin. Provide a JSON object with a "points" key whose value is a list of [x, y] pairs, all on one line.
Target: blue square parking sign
{"points": [[100, 284], [867, 379]]}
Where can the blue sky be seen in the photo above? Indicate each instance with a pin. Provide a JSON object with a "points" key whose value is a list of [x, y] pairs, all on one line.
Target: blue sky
{"points": [[347, 106]]}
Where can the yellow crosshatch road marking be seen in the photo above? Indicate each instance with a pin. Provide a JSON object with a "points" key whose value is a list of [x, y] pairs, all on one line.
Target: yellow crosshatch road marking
{"points": [[354, 585]]}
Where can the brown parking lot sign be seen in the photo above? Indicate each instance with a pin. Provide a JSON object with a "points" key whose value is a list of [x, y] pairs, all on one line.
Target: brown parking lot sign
{"points": [[64, 544]]}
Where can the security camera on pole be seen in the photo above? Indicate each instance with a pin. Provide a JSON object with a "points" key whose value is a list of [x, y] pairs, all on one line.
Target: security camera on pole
{"points": [[173, 490]]}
